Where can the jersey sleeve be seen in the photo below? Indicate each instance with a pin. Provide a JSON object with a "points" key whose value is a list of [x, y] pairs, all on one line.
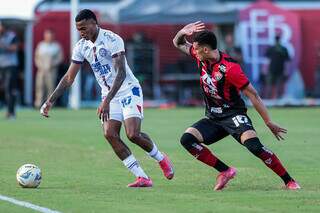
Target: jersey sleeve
{"points": [[77, 56], [236, 77], [116, 45]]}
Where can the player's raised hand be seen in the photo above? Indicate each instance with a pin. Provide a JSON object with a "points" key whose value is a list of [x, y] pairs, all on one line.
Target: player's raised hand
{"points": [[277, 130], [193, 28], [44, 110]]}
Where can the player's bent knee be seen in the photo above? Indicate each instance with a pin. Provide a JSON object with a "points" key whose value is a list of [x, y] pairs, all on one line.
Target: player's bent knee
{"points": [[133, 136], [111, 136], [195, 133], [188, 140], [248, 135]]}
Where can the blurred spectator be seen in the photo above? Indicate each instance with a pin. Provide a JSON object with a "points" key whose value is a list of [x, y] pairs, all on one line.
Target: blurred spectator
{"points": [[140, 55], [276, 77], [9, 67], [232, 50], [184, 64], [63, 100], [48, 57]]}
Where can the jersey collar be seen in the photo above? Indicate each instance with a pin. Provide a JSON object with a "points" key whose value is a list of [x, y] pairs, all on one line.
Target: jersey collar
{"points": [[96, 42]]}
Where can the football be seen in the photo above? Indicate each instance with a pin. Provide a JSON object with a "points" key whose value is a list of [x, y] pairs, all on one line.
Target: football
{"points": [[29, 176]]}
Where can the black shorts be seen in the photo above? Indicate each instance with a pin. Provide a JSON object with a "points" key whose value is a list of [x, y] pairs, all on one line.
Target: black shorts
{"points": [[214, 130]]}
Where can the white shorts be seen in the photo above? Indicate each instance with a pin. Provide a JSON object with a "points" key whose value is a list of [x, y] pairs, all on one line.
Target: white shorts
{"points": [[127, 105]]}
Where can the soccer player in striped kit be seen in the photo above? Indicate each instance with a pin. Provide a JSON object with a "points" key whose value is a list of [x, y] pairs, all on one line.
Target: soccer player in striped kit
{"points": [[221, 81]]}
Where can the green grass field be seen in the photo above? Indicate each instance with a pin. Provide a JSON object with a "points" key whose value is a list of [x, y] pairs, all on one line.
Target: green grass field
{"points": [[82, 174]]}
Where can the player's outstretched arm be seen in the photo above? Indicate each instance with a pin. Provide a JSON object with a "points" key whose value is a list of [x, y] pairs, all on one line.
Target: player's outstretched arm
{"points": [[257, 103], [180, 40], [118, 62], [65, 82]]}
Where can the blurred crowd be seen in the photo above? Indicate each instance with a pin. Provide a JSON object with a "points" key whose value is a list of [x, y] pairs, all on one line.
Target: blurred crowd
{"points": [[176, 80]]}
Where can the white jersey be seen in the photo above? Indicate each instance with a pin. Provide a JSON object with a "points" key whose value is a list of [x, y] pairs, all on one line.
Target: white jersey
{"points": [[99, 55]]}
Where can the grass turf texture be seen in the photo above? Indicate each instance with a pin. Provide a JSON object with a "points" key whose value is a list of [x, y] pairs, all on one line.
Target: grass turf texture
{"points": [[82, 174]]}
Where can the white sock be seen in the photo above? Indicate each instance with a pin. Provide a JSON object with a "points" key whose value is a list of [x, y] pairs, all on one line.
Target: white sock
{"points": [[133, 165], [155, 153]]}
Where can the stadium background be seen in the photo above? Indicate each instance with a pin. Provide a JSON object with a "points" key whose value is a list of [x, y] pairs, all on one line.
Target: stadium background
{"points": [[167, 76], [80, 171]]}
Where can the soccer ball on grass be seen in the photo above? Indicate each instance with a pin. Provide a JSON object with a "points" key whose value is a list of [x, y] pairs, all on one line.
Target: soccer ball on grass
{"points": [[29, 176]]}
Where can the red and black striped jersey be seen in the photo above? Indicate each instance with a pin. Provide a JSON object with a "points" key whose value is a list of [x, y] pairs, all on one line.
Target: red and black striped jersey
{"points": [[221, 83]]}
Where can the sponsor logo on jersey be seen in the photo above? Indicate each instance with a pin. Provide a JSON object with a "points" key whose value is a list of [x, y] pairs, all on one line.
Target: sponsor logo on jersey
{"points": [[226, 106], [209, 86], [216, 109], [102, 69], [103, 52]]}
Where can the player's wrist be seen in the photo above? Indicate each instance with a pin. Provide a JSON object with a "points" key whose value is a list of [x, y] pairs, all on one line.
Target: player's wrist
{"points": [[107, 99], [267, 122], [182, 33], [49, 103]]}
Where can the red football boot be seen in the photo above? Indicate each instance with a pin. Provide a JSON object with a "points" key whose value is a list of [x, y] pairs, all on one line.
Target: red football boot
{"points": [[224, 177], [292, 185], [141, 182], [166, 167]]}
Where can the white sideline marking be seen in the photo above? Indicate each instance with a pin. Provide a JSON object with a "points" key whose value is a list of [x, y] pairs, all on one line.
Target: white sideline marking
{"points": [[28, 205]]}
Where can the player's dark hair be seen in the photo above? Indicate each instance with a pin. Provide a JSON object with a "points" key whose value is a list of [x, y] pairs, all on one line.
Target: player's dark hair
{"points": [[206, 37], [86, 14]]}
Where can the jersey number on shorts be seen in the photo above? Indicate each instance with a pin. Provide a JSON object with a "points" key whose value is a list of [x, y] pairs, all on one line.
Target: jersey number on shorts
{"points": [[240, 119], [126, 101]]}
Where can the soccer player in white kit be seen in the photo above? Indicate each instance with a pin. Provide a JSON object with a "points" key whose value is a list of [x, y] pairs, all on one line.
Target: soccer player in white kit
{"points": [[122, 100]]}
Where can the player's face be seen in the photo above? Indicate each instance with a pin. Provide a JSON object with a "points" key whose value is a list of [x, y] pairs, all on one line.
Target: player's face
{"points": [[87, 29], [202, 51]]}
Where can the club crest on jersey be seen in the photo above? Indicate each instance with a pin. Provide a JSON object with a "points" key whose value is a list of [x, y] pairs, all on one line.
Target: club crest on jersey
{"points": [[102, 52], [222, 68], [218, 76]]}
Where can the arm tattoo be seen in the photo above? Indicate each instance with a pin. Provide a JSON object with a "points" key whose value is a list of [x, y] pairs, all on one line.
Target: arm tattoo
{"points": [[181, 40], [181, 43], [62, 86], [119, 66]]}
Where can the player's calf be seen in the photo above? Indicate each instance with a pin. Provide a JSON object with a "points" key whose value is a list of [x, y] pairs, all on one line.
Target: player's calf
{"points": [[269, 158], [201, 153]]}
